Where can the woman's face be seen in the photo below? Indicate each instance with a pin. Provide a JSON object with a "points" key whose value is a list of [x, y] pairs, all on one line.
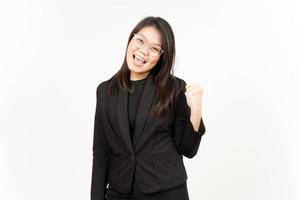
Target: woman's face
{"points": [[140, 54]]}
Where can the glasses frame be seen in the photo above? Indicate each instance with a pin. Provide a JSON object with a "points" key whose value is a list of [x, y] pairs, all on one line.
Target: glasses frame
{"points": [[148, 45]]}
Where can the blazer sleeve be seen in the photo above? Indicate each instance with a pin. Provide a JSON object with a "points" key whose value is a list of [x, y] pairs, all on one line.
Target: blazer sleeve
{"points": [[100, 155], [186, 139]]}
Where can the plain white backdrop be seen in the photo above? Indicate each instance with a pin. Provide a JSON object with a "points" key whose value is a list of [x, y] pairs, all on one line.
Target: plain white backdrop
{"points": [[53, 55]]}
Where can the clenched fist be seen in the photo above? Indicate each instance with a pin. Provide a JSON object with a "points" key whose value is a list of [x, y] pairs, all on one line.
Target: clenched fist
{"points": [[193, 94]]}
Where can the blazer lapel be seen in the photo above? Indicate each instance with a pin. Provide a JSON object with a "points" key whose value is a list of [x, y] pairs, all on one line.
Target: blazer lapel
{"points": [[122, 116], [141, 115], [144, 108]]}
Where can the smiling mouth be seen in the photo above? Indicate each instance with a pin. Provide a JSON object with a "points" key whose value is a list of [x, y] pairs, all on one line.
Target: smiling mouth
{"points": [[138, 61]]}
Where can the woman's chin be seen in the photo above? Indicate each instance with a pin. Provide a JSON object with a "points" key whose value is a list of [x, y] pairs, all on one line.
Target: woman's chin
{"points": [[137, 68]]}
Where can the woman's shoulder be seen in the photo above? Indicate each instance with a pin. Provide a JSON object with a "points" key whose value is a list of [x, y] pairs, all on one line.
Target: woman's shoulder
{"points": [[102, 86], [179, 84], [180, 81]]}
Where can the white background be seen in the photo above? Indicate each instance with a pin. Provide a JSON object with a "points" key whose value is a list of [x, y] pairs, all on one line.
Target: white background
{"points": [[53, 55]]}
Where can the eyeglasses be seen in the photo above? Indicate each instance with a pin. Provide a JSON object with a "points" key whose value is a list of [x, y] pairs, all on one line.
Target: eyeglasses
{"points": [[140, 42]]}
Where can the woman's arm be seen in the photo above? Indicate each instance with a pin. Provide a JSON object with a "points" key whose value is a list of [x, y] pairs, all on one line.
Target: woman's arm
{"points": [[100, 155], [187, 136]]}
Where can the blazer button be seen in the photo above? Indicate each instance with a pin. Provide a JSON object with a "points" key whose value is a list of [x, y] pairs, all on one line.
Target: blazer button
{"points": [[132, 158]]}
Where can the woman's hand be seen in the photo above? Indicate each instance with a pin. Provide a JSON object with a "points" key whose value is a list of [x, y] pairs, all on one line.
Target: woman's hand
{"points": [[193, 94]]}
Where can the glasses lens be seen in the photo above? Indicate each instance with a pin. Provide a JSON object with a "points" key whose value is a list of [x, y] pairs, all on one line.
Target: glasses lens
{"points": [[138, 40], [155, 50]]}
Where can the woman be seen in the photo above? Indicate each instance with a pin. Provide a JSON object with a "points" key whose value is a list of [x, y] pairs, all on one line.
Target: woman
{"points": [[146, 119]]}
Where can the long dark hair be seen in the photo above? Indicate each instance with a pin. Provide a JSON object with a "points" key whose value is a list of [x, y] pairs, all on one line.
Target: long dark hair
{"points": [[163, 72]]}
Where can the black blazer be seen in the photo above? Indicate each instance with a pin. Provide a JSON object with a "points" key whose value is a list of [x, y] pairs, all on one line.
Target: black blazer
{"points": [[155, 157]]}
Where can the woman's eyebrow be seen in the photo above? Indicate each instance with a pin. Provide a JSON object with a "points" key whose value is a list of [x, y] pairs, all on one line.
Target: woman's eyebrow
{"points": [[147, 39]]}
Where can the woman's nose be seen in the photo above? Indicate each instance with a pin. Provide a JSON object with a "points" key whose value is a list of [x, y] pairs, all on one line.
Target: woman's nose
{"points": [[144, 50]]}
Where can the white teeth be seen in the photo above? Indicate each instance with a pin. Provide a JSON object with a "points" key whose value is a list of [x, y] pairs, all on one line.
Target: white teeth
{"points": [[138, 57], [137, 61]]}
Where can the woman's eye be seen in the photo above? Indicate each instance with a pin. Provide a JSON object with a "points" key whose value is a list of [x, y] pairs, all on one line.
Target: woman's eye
{"points": [[155, 49], [140, 40]]}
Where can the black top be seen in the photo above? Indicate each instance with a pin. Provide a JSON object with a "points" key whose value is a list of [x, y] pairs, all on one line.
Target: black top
{"points": [[133, 102]]}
